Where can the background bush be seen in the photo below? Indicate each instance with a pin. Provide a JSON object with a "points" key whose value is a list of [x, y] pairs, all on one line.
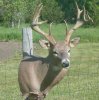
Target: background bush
{"points": [[52, 11]]}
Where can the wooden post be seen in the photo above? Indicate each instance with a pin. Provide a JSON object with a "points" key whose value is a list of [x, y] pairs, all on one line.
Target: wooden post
{"points": [[27, 45]]}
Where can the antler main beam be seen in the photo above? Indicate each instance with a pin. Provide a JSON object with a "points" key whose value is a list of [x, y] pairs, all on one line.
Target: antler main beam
{"points": [[79, 22], [36, 23]]}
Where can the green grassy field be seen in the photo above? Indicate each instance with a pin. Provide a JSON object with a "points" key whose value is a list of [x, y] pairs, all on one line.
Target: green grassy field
{"points": [[80, 83], [58, 30]]}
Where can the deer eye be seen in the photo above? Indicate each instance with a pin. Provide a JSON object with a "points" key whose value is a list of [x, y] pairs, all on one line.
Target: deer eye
{"points": [[68, 51], [54, 52]]}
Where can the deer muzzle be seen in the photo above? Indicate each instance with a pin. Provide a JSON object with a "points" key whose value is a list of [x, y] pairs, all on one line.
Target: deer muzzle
{"points": [[65, 63]]}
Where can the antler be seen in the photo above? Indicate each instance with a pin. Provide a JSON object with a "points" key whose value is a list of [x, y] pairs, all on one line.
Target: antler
{"points": [[86, 16], [35, 25], [79, 22]]}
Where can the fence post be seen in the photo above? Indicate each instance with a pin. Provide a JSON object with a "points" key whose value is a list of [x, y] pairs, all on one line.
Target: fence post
{"points": [[27, 45]]}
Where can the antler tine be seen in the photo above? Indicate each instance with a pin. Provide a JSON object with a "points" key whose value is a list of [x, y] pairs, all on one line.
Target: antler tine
{"points": [[78, 22], [35, 24], [37, 15], [78, 11], [50, 32], [86, 16], [66, 26], [90, 18], [50, 28], [37, 11]]}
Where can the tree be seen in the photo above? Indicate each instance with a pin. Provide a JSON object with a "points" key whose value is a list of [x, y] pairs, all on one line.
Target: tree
{"points": [[52, 11], [30, 6], [1, 11], [97, 13], [13, 11]]}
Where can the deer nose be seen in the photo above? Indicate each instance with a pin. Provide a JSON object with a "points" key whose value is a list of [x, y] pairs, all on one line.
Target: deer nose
{"points": [[65, 63]]}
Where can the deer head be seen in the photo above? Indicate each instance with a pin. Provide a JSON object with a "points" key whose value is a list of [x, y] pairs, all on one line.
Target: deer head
{"points": [[59, 51]]}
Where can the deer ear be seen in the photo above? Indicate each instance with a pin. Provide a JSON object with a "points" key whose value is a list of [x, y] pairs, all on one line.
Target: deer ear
{"points": [[74, 42], [44, 43]]}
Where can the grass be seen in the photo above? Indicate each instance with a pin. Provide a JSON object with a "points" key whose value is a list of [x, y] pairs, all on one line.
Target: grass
{"points": [[80, 83], [7, 33], [86, 34]]}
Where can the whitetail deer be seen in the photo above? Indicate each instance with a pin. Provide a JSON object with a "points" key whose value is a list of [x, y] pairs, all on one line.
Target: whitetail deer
{"points": [[37, 75]]}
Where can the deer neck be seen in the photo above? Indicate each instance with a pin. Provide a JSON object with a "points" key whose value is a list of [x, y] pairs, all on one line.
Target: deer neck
{"points": [[53, 61]]}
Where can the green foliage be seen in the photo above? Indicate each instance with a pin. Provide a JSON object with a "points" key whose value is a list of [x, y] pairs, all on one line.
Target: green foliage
{"points": [[30, 6], [96, 18], [15, 11], [93, 8], [7, 34], [1, 12], [52, 11], [69, 8]]}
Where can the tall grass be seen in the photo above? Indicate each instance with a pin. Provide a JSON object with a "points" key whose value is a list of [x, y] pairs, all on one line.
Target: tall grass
{"points": [[90, 34]]}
